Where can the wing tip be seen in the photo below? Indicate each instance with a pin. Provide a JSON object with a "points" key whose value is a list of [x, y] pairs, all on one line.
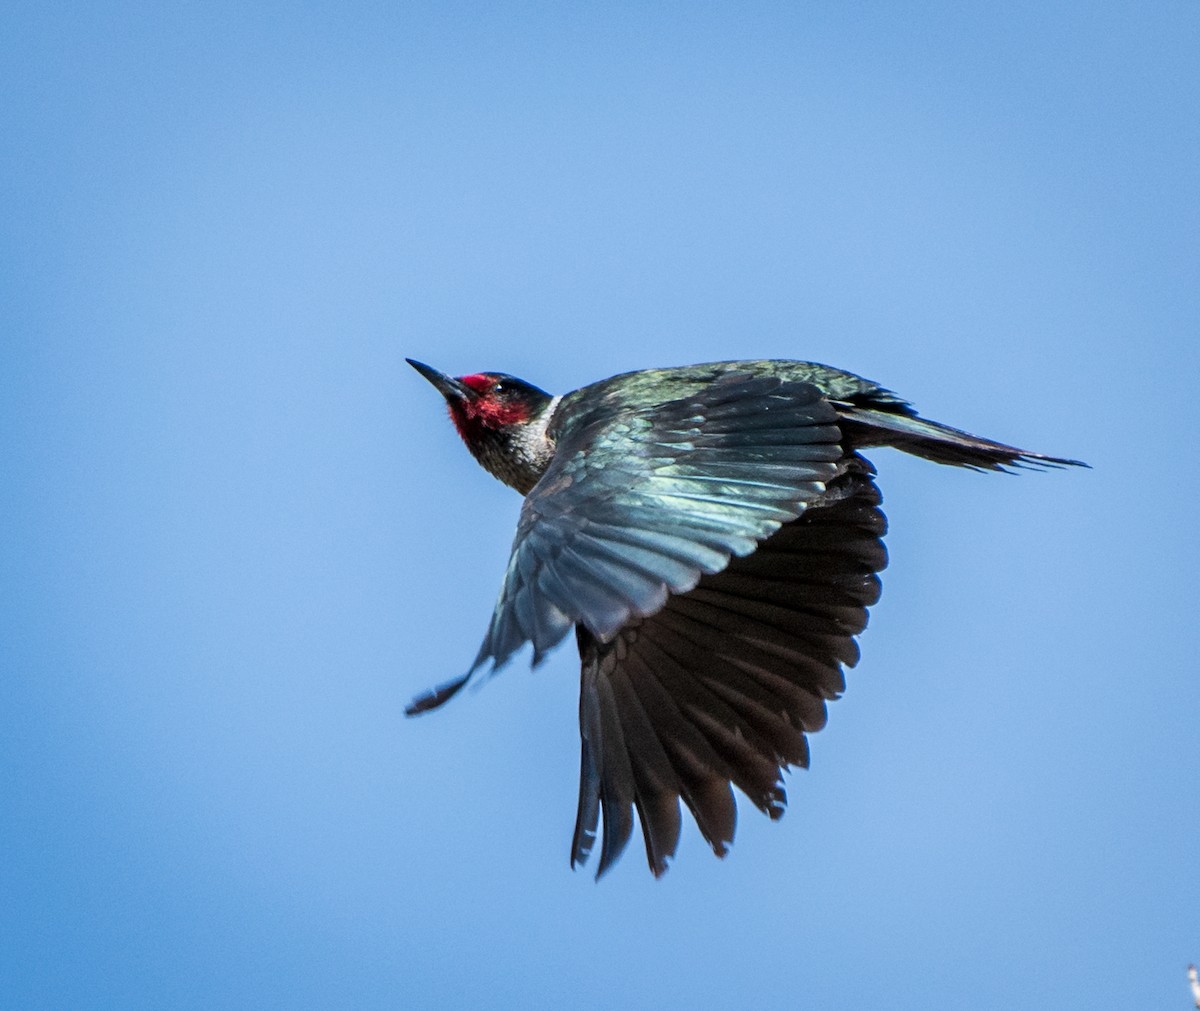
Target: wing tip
{"points": [[437, 697]]}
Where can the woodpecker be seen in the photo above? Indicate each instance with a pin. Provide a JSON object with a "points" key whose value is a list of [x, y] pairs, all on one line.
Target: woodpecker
{"points": [[713, 535]]}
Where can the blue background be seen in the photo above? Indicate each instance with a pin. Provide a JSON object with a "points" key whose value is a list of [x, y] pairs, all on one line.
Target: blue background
{"points": [[239, 533]]}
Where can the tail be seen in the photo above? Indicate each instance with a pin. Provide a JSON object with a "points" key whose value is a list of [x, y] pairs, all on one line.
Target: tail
{"points": [[897, 425]]}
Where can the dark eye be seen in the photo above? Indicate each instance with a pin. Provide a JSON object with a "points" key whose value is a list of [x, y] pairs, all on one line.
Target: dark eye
{"points": [[504, 386]]}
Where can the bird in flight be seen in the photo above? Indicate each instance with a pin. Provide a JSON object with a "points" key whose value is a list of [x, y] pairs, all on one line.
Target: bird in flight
{"points": [[713, 535]]}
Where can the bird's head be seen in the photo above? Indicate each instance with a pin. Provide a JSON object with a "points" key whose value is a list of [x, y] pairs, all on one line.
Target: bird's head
{"points": [[486, 402], [495, 414]]}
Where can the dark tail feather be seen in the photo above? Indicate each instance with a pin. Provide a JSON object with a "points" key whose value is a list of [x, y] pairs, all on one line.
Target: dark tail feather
{"points": [[937, 442]]}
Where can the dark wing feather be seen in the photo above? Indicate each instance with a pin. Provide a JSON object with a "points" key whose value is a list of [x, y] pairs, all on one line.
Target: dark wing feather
{"points": [[721, 684], [640, 502]]}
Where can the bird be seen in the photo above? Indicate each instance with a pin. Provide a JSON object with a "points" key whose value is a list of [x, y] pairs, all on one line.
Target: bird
{"points": [[713, 536]]}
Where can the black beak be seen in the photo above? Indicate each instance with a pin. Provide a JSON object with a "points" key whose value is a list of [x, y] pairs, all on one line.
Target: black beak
{"points": [[447, 386]]}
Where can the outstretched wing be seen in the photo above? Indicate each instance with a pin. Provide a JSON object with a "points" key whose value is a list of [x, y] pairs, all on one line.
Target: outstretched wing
{"points": [[640, 502], [638, 505], [720, 686]]}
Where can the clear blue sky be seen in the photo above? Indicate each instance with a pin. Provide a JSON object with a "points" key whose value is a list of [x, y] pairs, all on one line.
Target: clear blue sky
{"points": [[239, 533]]}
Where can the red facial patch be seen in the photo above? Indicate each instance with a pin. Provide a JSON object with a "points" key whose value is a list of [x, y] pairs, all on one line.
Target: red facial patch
{"points": [[481, 382], [489, 410]]}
